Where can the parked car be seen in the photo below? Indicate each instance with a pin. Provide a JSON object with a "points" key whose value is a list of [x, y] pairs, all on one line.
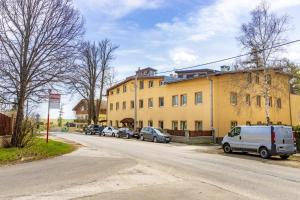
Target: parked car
{"points": [[154, 134], [110, 131], [93, 129], [127, 133], [265, 140]]}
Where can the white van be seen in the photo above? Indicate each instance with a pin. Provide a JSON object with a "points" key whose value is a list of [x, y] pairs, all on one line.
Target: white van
{"points": [[265, 140]]}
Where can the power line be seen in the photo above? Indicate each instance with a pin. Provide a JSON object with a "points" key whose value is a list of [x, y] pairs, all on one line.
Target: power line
{"points": [[221, 60], [230, 58]]}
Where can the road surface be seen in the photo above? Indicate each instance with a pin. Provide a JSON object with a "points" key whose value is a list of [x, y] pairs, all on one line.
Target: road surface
{"points": [[112, 168]]}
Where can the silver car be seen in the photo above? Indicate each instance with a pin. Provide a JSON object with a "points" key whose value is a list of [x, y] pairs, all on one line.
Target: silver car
{"points": [[265, 140]]}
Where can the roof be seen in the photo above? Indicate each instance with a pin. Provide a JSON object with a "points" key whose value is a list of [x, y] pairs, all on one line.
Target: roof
{"points": [[220, 73], [130, 78], [147, 69], [196, 71], [84, 102]]}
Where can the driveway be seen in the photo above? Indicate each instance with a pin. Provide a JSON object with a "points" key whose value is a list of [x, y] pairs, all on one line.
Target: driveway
{"points": [[111, 168]]}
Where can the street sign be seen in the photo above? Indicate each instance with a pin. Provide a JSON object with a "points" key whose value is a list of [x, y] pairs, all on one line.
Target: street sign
{"points": [[54, 101]]}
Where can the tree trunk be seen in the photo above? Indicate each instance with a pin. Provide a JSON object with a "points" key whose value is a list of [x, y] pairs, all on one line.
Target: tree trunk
{"points": [[16, 140], [100, 97]]}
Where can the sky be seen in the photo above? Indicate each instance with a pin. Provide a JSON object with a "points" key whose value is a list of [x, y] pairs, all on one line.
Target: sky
{"points": [[170, 34]]}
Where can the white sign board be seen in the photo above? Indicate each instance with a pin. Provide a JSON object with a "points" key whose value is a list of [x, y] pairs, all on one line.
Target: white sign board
{"points": [[54, 101]]}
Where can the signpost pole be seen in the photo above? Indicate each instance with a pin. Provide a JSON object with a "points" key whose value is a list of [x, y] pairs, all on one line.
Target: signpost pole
{"points": [[48, 120]]}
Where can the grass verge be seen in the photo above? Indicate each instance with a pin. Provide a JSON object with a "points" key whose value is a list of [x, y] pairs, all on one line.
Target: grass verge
{"points": [[38, 150]]}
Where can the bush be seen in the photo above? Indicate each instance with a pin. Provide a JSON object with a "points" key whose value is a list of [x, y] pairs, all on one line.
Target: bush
{"points": [[296, 129]]}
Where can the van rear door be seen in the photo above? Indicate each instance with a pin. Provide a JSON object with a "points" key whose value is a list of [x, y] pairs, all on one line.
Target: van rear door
{"points": [[284, 139]]}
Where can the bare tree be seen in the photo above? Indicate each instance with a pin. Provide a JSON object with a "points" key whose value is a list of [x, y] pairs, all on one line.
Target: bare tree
{"points": [[92, 74], [106, 56], [83, 80], [37, 43], [260, 36]]}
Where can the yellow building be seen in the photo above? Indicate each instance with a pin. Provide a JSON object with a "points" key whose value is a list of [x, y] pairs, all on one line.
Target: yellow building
{"points": [[202, 100]]}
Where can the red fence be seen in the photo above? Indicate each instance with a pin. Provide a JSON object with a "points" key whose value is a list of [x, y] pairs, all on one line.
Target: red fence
{"points": [[200, 133], [5, 125], [176, 132], [191, 133]]}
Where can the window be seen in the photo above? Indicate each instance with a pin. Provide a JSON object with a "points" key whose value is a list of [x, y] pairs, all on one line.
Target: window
{"points": [[233, 124], [198, 98], [270, 101], [150, 84], [249, 77], [278, 103], [82, 108], [248, 99], [198, 126], [269, 79], [175, 100], [161, 101], [117, 123], [183, 125], [150, 123], [141, 124], [258, 101], [257, 78], [132, 104], [111, 106], [248, 123], [183, 99], [141, 103], [124, 88], [124, 105], [150, 103], [141, 85], [233, 98], [112, 92], [161, 124], [235, 132], [110, 123], [161, 82], [118, 90], [117, 106], [175, 125]]}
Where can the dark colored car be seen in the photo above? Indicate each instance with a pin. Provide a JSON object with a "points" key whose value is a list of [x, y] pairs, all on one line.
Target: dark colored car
{"points": [[94, 129], [127, 133], [155, 135]]}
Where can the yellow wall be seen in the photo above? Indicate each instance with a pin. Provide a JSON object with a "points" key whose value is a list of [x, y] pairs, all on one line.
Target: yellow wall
{"points": [[224, 112], [295, 105]]}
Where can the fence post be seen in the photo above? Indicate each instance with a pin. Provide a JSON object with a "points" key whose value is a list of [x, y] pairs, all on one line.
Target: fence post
{"points": [[187, 136]]}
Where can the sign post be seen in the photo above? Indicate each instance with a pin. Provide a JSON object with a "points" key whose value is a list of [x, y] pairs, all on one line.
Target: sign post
{"points": [[53, 103]]}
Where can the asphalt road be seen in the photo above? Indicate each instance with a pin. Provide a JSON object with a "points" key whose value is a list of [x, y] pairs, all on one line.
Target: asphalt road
{"points": [[112, 168]]}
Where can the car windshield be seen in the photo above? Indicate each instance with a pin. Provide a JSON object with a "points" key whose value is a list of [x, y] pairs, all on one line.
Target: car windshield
{"points": [[159, 130]]}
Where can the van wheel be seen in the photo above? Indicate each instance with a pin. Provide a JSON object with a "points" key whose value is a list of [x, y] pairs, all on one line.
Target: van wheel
{"points": [[155, 140], [284, 157], [264, 153], [227, 148]]}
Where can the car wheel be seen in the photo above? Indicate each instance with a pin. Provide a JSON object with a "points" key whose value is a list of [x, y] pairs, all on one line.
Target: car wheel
{"points": [[227, 148], [154, 139], [127, 136], [284, 157], [142, 138], [113, 135], [85, 133], [264, 153]]}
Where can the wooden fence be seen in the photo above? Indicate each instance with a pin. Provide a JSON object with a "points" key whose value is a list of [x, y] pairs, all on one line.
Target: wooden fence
{"points": [[191, 133], [5, 125]]}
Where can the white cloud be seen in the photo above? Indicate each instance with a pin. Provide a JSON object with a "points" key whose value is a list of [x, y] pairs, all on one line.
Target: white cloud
{"points": [[183, 56], [117, 8]]}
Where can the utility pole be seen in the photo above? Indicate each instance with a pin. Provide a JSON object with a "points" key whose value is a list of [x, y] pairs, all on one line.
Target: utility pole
{"points": [[135, 100]]}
